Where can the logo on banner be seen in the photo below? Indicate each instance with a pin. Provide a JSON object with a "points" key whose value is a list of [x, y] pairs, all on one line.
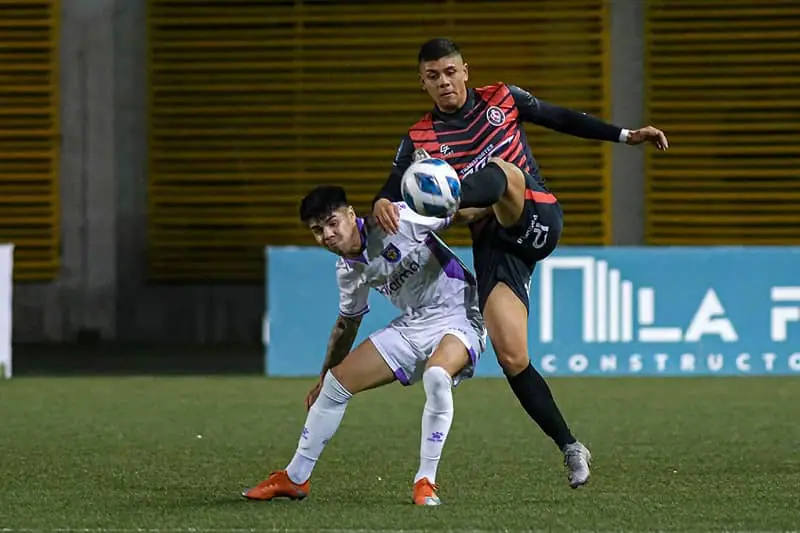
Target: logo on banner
{"points": [[618, 321]]}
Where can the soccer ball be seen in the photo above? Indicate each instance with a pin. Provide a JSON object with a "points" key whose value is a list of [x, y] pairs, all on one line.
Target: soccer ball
{"points": [[431, 188]]}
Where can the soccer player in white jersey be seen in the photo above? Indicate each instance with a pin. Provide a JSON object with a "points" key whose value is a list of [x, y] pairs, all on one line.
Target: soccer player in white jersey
{"points": [[437, 338]]}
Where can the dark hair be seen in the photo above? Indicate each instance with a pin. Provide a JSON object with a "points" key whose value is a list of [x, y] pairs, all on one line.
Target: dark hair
{"points": [[321, 202], [437, 49]]}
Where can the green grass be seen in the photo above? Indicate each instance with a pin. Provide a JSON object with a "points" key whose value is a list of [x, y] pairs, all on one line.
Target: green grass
{"points": [[670, 454]]}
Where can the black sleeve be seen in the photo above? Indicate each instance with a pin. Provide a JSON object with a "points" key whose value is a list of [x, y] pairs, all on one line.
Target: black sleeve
{"points": [[402, 160], [561, 119]]}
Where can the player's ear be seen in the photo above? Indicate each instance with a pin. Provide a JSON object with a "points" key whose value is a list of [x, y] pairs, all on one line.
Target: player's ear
{"points": [[466, 71]]}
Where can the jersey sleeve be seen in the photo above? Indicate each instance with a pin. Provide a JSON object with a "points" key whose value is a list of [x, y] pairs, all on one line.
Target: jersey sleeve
{"points": [[353, 294], [562, 119], [402, 160], [418, 226], [527, 104]]}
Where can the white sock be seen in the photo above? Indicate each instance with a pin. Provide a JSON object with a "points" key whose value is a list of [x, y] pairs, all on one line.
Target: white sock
{"points": [[321, 424], [437, 417]]}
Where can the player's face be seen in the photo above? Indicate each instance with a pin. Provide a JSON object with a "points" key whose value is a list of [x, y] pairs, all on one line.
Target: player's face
{"points": [[445, 80], [338, 232]]}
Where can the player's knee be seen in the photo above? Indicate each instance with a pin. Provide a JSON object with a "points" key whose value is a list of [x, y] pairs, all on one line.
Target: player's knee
{"points": [[512, 361], [438, 388], [499, 162], [511, 351], [514, 176], [333, 389]]}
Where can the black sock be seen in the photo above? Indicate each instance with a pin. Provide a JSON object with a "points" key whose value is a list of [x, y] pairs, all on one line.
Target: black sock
{"points": [[534, 394], [483, 188]]}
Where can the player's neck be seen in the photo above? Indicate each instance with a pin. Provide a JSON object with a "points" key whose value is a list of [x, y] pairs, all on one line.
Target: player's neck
{"points": [[356, 241], [354, 251], [458, 108]]}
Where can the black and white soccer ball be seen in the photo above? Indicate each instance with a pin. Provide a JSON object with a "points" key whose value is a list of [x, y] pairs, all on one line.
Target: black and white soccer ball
{"points": [[431, 188]]}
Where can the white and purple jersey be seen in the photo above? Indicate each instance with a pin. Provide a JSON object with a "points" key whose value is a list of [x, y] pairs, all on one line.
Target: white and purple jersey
{"points": [[419, 274]]}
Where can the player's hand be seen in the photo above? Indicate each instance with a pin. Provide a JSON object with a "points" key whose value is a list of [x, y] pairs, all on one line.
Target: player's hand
{"points": [[648, 134], [312, 395], [387, 215]]}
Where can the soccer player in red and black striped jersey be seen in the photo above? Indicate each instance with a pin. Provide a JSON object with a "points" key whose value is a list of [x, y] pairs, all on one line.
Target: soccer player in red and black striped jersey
{"points": [[479, 132]]}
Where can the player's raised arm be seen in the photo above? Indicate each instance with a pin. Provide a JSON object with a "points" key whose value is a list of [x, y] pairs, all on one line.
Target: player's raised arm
{"points": [[578, 124], [384, 212]]}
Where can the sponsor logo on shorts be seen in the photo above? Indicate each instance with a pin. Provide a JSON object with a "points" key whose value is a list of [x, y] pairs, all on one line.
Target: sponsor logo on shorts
{"points": [[539, 232]]}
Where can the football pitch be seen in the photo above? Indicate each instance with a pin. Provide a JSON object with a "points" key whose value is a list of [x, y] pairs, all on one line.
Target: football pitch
{"points": [[173, 453]]}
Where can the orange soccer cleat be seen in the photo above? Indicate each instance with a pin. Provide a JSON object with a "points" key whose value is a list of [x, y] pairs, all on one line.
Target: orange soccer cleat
{"points": [[424, 493], [278, 485]]}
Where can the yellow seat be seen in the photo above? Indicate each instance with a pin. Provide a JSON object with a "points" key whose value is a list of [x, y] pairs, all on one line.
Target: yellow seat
{"points": [[29, 137], [723, 84], [267, 101]]}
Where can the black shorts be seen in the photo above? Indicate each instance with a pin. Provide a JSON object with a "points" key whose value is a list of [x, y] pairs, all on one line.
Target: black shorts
{"points": [[509, 255]]}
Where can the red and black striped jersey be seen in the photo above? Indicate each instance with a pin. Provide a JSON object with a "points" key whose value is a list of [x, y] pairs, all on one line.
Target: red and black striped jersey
{"points": [[490, 125]]}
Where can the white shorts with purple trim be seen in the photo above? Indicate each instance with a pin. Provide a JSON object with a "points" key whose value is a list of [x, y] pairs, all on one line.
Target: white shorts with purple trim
{"points": [[406, 345]]}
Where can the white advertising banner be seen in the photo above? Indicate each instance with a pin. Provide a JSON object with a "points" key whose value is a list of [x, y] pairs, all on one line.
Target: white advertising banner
{"points": [[6, 290]]}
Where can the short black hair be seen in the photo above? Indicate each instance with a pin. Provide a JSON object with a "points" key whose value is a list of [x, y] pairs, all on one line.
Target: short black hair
{"points": [[436, 49], [321, 202]]}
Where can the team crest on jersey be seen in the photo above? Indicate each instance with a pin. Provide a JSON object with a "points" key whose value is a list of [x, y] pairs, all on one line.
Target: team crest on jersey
{"points": [[495, 116], [391, 253]]}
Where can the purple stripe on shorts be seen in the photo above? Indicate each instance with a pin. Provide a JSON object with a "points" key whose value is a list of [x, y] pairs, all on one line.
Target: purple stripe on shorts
{"points": [[401, 376], [473, 356]]}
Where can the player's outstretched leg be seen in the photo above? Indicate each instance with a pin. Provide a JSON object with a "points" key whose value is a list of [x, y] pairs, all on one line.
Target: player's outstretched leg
{"points": [[321, 424], [361, 370], [498, 185], [506, 322], [501, 185], [449, 359]]}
